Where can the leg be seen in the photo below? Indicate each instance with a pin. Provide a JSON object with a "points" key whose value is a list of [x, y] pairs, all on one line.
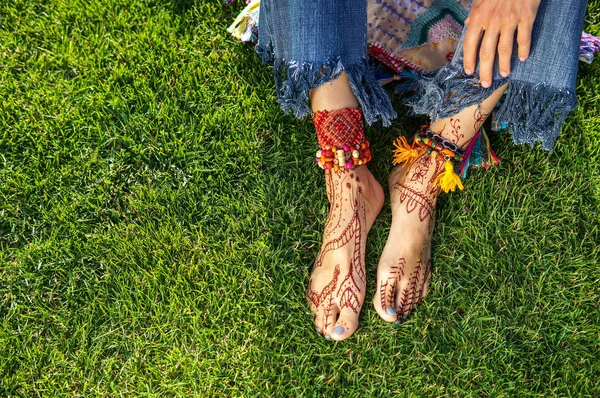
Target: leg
{"points": [[336, 289], [403, 273], [320, 53]]}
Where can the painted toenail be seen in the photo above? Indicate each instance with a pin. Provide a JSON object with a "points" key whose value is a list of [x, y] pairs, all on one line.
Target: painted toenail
{"points": [[390, 311], [338, 330], [327, 338], [318, 330]]}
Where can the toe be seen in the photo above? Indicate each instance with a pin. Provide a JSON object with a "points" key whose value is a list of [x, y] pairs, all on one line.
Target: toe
{"points": [[384, 299], [403, 301], [346, 324], [319, 323], [329, 318]]}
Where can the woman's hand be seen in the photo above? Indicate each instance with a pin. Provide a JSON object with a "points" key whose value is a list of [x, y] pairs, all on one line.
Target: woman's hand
{"points": [[493, 23]]}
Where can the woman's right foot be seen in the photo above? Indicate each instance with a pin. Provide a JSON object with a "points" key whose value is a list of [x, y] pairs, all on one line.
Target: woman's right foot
{"points": [[336, 290], [404, 270]]}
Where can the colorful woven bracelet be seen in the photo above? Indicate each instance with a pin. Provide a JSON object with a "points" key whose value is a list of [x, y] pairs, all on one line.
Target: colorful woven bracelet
{"points": [[428, 142], [345, 158], [341, 138]]}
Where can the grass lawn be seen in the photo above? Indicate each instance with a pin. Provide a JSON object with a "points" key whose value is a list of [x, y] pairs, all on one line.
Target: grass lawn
{"points": [[159, 217]]}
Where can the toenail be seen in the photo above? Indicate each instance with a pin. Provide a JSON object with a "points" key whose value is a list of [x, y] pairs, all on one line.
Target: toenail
{"points": [[338, 330], [327, 338], [404, 317], [318, 330], [390, 311]]}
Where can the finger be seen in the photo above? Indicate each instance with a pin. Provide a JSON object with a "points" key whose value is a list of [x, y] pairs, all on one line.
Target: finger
{"points": [[346, 324], [524, 40], [470, 46], [487, 54], [505, 49]]}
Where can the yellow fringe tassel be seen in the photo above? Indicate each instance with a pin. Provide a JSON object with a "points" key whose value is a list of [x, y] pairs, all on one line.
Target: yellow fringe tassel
{"points": [[406, 153], [448, 180], [238, 27]]}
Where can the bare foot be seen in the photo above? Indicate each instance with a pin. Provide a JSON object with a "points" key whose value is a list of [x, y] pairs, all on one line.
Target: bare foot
{"points": [[404, 270], [336, 290]]}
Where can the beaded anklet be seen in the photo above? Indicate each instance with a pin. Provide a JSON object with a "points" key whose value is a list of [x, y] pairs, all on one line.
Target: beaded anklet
{"points": [[341, 137], [426, 141], [345, 158]]}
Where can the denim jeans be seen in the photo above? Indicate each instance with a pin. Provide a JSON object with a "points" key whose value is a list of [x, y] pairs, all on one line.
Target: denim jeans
{"points": [[310, 43]]}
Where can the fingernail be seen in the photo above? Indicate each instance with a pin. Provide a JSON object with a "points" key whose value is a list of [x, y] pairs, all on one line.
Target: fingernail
{"points": [[390, 311], [468, 71], [327, 338], [522, 59], [503, 74], [338, 330], [318, 330], [485, 84]]}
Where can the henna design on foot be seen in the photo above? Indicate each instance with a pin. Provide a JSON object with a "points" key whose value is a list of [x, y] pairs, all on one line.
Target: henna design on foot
{"points": [[404, 282], [421, 169], [351, 288], [336, 288], [396, 272], [317, 298], [409, 295], [414, 199]]}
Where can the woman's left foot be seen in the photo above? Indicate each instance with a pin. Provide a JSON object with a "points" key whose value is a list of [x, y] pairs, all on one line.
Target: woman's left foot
{"points": [[404, 269]]}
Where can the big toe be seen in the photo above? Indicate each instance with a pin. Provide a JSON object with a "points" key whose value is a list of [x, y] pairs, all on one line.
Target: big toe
{"points": [[345, 326], [325, 319]]}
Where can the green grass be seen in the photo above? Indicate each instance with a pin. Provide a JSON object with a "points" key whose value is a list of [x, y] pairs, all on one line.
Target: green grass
{"points": [[159, 217]]}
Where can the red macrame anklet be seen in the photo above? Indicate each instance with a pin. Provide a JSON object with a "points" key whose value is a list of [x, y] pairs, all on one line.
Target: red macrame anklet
{"points": [[341, 136]]}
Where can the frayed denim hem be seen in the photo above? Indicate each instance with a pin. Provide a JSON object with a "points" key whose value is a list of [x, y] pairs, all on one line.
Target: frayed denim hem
{"points": [[294, 80], [532, 112], [535, 113]]}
